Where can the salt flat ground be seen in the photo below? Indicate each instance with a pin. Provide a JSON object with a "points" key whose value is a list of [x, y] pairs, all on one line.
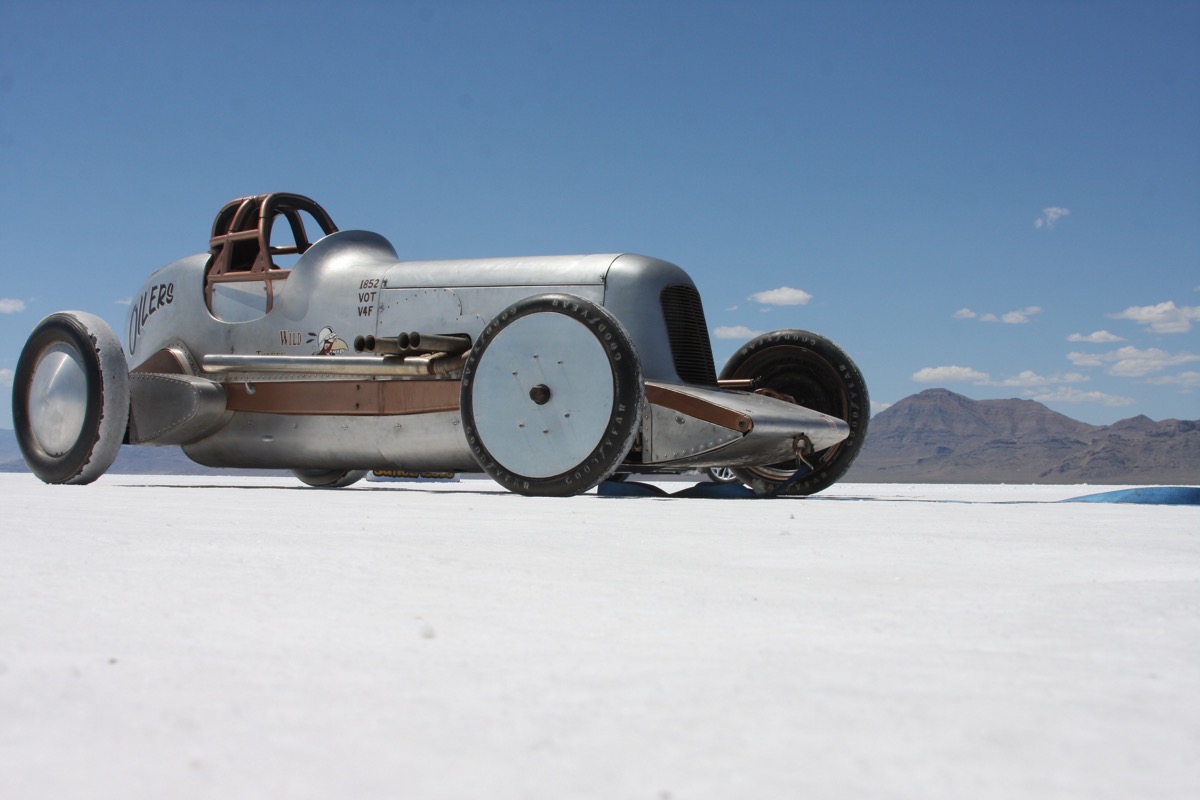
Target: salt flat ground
{"points": [[184, 637]]}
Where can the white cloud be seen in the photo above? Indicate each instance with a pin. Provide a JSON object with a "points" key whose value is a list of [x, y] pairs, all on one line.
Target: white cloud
{"points": [[1024, 379], [123, 301], [734, 332], [1149, 361], [950, 375], [1188, 379], [877, 407], [1069, 394], [6, 377], [1050, 216], [1133, 362], [783, 296], [1162, 318], [1096, 337], [10, 306], [1086, 359], [1029, 378], [1019, 317]]}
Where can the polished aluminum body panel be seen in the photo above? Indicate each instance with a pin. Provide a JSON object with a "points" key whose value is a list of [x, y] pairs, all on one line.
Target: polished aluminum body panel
{"points": [[352, 283], [425, 442]]}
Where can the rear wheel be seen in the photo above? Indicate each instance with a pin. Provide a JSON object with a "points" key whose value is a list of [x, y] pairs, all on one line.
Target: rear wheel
{"points": [[71, 398], [552, 396], [812, 371], [330, 478]]}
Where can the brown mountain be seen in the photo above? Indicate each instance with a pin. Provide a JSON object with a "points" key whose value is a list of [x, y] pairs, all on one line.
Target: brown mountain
{"points": [[938, 436]]}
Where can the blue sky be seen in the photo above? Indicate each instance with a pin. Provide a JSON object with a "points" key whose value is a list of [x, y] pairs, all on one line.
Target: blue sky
{"points": [[1001, 198]]}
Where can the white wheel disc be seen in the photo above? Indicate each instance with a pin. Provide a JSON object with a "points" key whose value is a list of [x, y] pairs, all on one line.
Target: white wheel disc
{"points": [[543, 394], [58, 399]]}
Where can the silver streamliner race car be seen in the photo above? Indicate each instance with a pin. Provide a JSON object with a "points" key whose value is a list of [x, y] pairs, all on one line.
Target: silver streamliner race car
{"points": [[550, 374]]}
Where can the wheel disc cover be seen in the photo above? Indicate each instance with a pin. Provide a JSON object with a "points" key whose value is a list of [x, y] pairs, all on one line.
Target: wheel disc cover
{"points": [[548, 439], [58, 399]]}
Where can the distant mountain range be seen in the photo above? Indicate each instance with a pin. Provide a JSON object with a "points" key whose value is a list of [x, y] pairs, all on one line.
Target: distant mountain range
{"points": [[936, 436]]}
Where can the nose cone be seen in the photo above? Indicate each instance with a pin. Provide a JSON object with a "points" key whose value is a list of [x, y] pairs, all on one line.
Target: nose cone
{"points": [[733, 428], [825, 431]]}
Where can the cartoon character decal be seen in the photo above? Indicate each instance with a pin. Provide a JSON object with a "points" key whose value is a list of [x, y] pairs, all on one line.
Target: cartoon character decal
{"points": [[328, 342]]}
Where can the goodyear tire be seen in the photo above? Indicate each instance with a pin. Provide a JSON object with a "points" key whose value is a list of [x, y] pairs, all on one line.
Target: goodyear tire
{"points": [[330, 478], [552, 396], [817, 374], [71, 398]]}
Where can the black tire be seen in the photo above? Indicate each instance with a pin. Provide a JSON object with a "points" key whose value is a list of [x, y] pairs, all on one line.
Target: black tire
{"points": [[330, 478], [552, 396], [817, 374], [71, 398]]}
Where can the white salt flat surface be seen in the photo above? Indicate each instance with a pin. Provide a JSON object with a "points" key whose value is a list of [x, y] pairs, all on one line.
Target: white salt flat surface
{"points": [[185, 637]]}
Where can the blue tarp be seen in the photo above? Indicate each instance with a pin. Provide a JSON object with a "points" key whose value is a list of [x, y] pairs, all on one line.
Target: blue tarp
{"points": [[722, 491], [1148, 495], [1145, 495]]}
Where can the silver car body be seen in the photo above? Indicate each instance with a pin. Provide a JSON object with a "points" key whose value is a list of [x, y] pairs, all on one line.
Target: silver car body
{"points": [[233, 394]]}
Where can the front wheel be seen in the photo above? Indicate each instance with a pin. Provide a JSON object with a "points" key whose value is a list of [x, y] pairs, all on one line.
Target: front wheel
{"points": [[813, 372], [71, 398]]}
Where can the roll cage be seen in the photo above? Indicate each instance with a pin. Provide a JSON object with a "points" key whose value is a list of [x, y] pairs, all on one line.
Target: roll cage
{"points": [[240, 249]]}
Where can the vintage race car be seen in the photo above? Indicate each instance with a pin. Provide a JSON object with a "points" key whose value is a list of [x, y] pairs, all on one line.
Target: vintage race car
{"points": [[333, 357]]}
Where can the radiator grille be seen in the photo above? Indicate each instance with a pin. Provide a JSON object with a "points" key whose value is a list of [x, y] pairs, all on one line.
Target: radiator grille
{"points": [[688, 333]]}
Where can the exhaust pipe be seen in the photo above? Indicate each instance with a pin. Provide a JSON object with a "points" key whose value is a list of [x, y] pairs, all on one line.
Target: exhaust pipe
{"points": [[413, 344]]}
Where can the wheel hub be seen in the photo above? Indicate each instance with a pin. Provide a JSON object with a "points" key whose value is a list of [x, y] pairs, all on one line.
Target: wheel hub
{"points": [[58, 400]]}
